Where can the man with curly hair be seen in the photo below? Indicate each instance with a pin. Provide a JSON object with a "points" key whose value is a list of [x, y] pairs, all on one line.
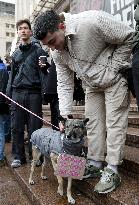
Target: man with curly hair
{"points": [[97, 47]]}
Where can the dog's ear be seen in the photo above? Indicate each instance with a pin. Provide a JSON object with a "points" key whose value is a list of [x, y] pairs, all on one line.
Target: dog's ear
{"points": [[85, 121], [70, 117]]}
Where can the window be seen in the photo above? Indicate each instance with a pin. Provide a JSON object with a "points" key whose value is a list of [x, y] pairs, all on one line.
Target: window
{"points": [[7, 34], [7, 25], [12, 34], [8, 46], [12, 26]]}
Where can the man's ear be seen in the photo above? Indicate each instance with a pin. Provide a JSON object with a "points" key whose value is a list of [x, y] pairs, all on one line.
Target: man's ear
{"points": [[31, 33], [85, 121], [70, 116], [61, 26]]}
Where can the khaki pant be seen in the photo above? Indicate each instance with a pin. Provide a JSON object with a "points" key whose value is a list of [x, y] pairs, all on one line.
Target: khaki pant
{"points": [[107, 111]]}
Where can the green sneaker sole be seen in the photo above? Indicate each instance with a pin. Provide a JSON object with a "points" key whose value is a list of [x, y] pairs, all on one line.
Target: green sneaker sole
{"points": [[109, 190]]}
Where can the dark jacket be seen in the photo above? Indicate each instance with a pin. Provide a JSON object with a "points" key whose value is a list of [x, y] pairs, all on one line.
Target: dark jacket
{"points": [[50, 80], [25, 70], [4, 108]]}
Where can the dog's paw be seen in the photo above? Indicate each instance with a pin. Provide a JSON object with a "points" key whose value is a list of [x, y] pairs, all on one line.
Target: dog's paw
{"points": [[31, 182], [60, 192], [44, 177], [71, 200]]}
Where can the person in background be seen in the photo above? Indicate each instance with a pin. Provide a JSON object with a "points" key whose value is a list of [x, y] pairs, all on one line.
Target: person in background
{"points": [[7, 58], [50, 94], [97, 47], [4, 110], [135, 51], [25, 87]]}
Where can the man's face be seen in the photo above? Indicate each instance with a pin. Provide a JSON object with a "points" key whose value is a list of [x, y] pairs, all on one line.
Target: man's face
{"points": [[55, 40], [24, 32]]}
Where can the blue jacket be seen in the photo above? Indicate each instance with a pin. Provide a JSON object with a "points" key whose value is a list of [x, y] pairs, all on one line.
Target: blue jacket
{"points": [[4, 108]]}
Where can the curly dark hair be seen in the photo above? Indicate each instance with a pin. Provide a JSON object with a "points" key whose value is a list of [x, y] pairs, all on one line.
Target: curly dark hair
{"points": [[44, 23]]}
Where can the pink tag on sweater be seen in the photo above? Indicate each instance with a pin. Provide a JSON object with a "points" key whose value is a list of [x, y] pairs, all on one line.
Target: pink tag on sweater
{"points": [[70, 166]]}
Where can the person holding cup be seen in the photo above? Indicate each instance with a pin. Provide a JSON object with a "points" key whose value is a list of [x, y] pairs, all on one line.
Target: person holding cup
{"points": [[25, 87]]}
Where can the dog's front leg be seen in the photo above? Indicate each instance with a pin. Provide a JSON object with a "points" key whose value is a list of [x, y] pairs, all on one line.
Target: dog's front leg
{"points": [[33, 164], [43, 169], [60, 185], [70, 199], [59, 179]]}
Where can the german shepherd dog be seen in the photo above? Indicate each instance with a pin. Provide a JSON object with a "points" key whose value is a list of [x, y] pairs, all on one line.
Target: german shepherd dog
{"points": [[51, 143]]}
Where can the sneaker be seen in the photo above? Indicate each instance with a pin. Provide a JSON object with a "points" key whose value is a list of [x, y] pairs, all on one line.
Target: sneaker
{"points": [[91, 172], [109, 181], [16, 163], [2, 162]]}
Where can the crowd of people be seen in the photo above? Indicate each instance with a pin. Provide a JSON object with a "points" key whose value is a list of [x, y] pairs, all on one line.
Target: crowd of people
{"points": [[98, 48]]}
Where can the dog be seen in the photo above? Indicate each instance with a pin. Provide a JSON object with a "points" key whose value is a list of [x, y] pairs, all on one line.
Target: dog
{"points": [[51, 143]]}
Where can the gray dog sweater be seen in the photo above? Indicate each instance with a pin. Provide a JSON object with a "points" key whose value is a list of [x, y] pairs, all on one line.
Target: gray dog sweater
{"points": [[48, 140]]}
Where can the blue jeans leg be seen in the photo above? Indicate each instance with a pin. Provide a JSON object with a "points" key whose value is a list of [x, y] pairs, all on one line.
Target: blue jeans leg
{"points": [[2, 136], [7, 128]]}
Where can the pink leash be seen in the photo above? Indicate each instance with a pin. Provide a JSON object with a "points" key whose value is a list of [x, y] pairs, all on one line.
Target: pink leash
{"points": [[28, 110]]}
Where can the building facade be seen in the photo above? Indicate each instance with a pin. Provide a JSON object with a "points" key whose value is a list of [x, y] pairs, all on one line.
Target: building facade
{"points": [[7, 25], [122, 9]]}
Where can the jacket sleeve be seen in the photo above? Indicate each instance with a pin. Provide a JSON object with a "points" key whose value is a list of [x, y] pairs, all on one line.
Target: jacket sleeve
{"points": [[65, 88], [112, 30]]}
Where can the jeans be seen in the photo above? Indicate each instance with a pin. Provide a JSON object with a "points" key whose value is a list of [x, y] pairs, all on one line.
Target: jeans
{"points": [[7, 128], [3, 132]]}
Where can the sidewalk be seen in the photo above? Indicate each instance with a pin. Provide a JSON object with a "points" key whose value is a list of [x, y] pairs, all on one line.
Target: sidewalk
{"points": [[10, 191], [43, 192]]}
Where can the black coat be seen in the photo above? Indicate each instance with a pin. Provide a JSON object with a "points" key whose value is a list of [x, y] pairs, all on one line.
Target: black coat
{"points": [[25, 70], [50, 80]]}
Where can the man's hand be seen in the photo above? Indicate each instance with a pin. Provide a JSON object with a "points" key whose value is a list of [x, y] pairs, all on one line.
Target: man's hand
{"points": [[61, 127], [42, 65]]}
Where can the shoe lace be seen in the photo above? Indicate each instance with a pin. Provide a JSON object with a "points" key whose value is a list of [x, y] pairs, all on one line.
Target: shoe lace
{"points": [[106, 177]]}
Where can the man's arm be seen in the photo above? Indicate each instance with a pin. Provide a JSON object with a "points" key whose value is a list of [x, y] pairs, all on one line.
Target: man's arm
{"points": [[65, 88]]}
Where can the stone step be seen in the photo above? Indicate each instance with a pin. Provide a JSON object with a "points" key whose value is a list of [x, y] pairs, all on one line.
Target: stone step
{"points": [[126, 194], [132, 138], [10, 191], [75, 108], [45, 192], [130, 164], [133, 108], [133, 120]]}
